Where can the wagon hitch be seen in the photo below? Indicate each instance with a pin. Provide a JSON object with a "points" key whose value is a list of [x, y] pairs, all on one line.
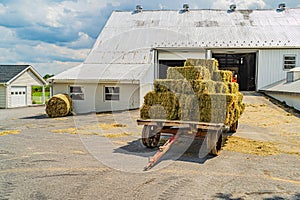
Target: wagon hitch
{"points": [[160, 152]]}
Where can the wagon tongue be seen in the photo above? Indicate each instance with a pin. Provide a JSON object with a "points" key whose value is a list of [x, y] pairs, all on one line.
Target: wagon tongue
{"points": [[161, 151]]}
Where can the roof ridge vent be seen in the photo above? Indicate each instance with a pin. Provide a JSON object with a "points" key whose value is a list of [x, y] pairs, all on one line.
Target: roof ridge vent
{"points": [[281, 7], [232, 8], [138, 8], [185, 7]]}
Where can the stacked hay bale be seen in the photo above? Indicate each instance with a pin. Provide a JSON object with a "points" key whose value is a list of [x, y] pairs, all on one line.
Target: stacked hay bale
{"points": [[59, 105], [198, 91]]}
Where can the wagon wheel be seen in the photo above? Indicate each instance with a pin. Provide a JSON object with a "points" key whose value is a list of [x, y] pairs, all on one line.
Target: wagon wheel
{"points": [[150, 136], [234, 127], [215, 151]]}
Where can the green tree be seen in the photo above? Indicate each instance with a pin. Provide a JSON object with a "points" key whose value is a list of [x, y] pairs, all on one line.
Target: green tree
{"points": [[48, 76]]}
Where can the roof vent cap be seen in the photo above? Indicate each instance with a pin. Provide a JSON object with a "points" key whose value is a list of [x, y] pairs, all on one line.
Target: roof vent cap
{"points": [[138, 8], [281, 7], [232, 8], [186, 7]]}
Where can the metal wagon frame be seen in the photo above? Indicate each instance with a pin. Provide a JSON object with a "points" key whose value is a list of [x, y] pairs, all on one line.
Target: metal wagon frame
{"points": [[213, 132]]}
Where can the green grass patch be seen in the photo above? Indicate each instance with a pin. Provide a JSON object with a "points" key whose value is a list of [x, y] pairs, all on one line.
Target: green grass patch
{"points": [[40, 94]]}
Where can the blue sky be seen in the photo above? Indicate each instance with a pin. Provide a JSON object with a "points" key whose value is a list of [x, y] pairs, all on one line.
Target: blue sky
{"points": [[54, 35]]}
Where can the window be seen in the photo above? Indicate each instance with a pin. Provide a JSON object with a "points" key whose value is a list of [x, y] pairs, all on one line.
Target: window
{"points": [[289, 61], [112, 93], [76, 93]]}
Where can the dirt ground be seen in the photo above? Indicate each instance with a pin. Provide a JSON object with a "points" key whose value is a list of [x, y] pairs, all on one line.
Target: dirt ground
{"points": [[100, 156]]}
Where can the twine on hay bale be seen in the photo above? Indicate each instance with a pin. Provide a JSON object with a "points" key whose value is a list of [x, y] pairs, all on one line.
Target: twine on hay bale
{"points": [[59, 105]]}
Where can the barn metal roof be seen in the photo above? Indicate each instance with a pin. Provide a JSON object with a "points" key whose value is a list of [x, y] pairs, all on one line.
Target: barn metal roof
{"points": [[107, 72], [128, 37], [284, 87]]}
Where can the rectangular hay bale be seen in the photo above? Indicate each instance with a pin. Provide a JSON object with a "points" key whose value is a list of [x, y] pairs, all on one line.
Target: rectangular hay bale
{"points": [[189, 73], [210, 64], [222, 75]]}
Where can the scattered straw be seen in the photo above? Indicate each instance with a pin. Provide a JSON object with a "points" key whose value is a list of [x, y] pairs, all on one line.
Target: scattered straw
{"points": [[116, 135], [9, 132], [110, 126], [256, 105], [60, 119], [248, 146], [67, 130], [82, 131]]}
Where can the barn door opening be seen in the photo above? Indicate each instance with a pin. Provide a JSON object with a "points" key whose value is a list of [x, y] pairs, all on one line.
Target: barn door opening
{"points": [[165, 64], [244, 65]]}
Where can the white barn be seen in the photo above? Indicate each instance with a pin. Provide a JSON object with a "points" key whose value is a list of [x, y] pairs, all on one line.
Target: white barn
{"points": [[16, 83], [134, 48]]}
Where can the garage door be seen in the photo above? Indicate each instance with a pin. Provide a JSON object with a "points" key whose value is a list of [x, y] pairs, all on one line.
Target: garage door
{"points": [[18, 96]]}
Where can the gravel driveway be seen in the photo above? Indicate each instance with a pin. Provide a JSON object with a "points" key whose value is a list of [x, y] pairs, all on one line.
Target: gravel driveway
{"points": [[101, 157]]}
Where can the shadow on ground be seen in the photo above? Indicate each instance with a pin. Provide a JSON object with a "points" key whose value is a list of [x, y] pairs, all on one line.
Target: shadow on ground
{"points": [[176, 152], [43, 116], [275, 197]]}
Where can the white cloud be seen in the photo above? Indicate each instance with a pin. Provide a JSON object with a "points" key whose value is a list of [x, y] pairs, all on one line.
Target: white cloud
{"points": [[83, 41], [161, 6], [2, 8], [7, 35], [241, 4], [44, 50]]}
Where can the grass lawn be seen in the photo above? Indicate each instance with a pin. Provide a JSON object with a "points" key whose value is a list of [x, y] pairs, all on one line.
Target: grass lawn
{"points": [[37, 94], [40, 94]]}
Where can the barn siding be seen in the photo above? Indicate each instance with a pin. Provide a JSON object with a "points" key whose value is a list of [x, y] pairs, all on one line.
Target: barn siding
{"points": [[2, 96], [292, 100], [94, 97], [129, 98], [270, 66], [178, 55]]}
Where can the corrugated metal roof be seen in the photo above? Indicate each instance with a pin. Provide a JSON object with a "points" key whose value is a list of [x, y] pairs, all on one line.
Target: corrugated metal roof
{"points": [[127, 31], [8, 72], [128, 37], [284, 87]]}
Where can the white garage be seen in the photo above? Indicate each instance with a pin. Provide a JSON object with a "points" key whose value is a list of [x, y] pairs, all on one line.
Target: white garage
{"points": [[16, 82]]}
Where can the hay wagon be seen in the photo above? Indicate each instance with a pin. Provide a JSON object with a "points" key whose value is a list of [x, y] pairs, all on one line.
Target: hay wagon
{"points": [[214, 134]]}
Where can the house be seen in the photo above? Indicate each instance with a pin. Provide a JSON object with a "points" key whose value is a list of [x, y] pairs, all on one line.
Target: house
{"points": [[135, 48], [16, 82]]}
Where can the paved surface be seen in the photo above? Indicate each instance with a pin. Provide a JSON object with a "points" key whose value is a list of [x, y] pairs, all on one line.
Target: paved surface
{"points": [[78, 158]]}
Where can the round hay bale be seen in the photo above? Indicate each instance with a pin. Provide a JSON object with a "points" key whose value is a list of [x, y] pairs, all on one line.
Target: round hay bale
{"points": [[59, 105]]}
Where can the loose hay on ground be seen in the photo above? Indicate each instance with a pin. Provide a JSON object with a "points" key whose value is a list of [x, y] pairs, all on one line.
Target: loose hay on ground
{"points": [[248, 146], [255, 147], [111, 126], [9, 132]]}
